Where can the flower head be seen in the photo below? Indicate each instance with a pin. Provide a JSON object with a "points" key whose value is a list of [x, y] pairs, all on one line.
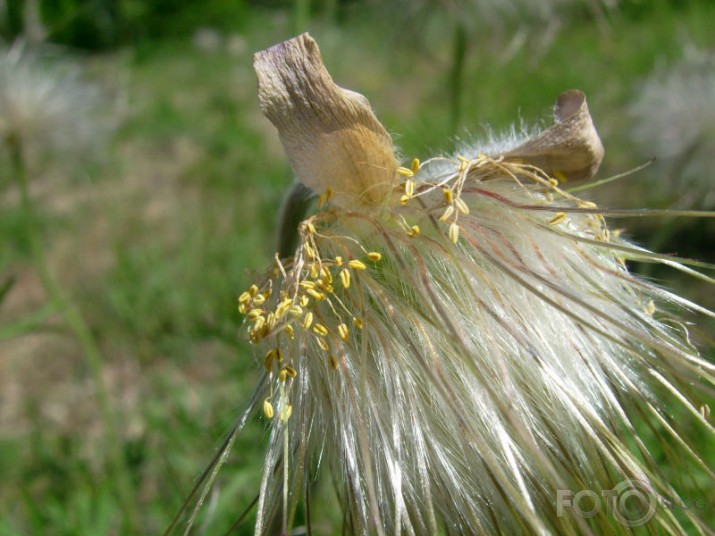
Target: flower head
{"points": [[47, 104], [463, 348], [674, 116]]}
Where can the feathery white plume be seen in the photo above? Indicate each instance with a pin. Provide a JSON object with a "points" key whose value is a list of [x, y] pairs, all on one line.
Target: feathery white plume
{"points": [[459, 339]]}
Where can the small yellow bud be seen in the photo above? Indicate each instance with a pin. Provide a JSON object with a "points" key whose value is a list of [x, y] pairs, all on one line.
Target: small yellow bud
{"points": [[447, 194], [415, 165], [357, 322]]}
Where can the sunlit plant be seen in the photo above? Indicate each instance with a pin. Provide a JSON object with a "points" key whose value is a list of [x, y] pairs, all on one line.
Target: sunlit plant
{"points": [[458, 338]]}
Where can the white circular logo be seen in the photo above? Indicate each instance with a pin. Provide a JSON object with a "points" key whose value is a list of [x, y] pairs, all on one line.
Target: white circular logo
{"points": [[634, 503]]}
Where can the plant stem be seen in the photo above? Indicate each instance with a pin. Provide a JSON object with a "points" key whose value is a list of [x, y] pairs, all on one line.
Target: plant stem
{"points": [[456, 75], [118, 472]]}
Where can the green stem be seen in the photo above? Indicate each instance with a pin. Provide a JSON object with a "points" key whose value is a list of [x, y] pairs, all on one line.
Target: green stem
{"points": [[456, 75], [301, 15], [118, 472]]}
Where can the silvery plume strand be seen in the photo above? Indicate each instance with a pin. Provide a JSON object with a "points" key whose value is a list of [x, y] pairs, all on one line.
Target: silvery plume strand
{"points": [[456, 339], [45, 102], [674, 119]]}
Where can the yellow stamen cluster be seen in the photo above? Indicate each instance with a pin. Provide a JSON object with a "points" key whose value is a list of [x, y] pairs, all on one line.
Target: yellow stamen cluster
{"points": [[306, 296]]}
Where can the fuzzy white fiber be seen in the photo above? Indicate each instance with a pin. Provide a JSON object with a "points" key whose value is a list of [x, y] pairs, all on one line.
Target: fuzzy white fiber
{"points": [[459, 354], [487, 375]]}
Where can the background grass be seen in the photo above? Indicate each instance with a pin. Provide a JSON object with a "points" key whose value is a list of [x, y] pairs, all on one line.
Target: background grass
{"points": [[156, 242]]}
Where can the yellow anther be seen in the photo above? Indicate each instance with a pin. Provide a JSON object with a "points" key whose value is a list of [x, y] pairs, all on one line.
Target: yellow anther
{"points": [[242, 308], [258, 323], [357, 322], [338, 261], [558, 218], [448, 195], [343, 332], [553, 182], [296, 310], [304, 301], [307, 285], [409, 187], [463, 163], [616, 233], [254, 313], [245, 297], [290, 331], [323, 344], [345, 278], [271, 320], [405, 172], [253, 290], [315, 294], [404, 199], [327, 287], [320, 329], [282, 375], [374, 256], [268, 409], [447, 213], [325, 275], [309, 251], [290, 371], [308, 320], [414, 231], [461, 205], [258, 299], [286, 412], [415, 165], [269, 359], [283, 307], [357, 265], [650, 308], [587, 204], [333, 361], [454, 233], [326, 196], [314, 271], [310, 227]]}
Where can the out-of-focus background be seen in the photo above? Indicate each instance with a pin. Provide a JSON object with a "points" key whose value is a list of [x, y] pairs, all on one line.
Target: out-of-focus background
{"points": [[152, 184]]}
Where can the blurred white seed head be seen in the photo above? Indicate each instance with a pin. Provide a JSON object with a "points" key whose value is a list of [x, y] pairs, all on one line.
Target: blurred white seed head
{"points": [[674, 120], [47, 104]]}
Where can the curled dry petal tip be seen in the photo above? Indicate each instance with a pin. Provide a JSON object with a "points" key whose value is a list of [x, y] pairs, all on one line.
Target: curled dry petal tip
{"points": [[570, 148], [331, 136]]}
